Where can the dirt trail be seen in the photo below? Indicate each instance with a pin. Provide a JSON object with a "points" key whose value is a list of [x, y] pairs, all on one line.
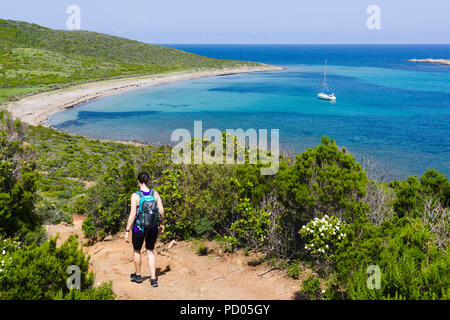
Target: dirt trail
{"points": [[182, 274]]}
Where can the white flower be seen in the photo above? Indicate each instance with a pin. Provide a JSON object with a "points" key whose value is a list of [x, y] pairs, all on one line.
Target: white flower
{"points": [[3, 252], [326, 246], [321, 234], [323, 291], [337, 227]]}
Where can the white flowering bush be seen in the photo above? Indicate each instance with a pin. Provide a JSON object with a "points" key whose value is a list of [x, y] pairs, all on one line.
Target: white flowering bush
{"points": [[322, 236], [7, 247]]}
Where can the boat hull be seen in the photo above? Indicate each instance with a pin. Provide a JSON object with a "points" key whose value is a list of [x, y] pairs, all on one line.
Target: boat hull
{"points": [[325, 96]]}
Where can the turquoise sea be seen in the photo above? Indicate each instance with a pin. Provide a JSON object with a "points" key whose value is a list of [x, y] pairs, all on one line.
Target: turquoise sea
{"points": [[387, 109]]}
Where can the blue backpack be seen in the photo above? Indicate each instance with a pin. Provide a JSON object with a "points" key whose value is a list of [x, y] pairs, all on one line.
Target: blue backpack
{"points": [[147, 216]]}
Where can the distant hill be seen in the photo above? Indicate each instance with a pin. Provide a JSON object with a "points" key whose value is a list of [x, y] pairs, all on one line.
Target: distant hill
{"points": [[34, 58]]}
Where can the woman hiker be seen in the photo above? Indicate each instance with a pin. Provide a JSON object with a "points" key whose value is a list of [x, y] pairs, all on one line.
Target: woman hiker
{"points": [[140, 234]]}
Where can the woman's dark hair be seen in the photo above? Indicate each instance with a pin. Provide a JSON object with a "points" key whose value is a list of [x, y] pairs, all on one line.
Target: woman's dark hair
{"points": [[143, 177]]}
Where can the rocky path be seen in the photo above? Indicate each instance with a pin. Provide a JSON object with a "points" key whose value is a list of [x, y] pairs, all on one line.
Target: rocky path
{"points": [[182, 273]]}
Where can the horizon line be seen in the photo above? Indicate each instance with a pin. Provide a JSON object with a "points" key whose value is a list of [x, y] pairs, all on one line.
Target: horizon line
{"points": [[259, 44]]}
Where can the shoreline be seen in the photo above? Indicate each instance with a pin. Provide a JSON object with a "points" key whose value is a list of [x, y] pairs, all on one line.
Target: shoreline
{"points": [[36, 109]]}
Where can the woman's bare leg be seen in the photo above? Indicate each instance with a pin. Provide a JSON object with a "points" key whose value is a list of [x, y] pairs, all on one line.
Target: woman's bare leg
{"points": [[151, 262], [137, 261]]}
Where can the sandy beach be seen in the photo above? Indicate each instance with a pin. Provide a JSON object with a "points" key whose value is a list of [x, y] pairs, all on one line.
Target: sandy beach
{"points": [[37, 108]]}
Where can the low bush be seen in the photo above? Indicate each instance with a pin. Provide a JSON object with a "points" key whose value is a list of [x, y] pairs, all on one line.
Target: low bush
{"points": [[411, 193], [410, 265], [36, 272], [294, 268], [311, 288], [102, 292], [17, 180], [108, 202], [202, 250]]}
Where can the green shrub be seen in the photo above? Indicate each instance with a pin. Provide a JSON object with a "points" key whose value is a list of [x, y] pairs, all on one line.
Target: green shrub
{"points": [[412, 192], [50, 210], [17, 180], [208, 196], [109, 202], [202, 250], [323, 180], [79, 204], [294, 269], [102, 292], [39, 272], [203, 226], [408, 196], [435, 183], [311, 288], [411, 265], [229, 244], [89, 228], [251, 225], [333, 290]]}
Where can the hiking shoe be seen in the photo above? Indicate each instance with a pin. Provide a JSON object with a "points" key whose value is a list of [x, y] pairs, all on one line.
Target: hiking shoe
{"points": [[136, 278], [154, 282]]}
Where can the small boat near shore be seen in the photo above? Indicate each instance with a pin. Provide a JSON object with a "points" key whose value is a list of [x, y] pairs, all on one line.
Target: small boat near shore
{"points": [[324, 92]]}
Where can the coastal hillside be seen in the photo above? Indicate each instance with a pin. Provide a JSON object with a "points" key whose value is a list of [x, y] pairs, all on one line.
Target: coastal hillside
{"points": [[34, 58]]}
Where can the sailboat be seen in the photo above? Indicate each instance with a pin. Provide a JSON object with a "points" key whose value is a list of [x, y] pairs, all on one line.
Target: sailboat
{"points": [[324, 92]]}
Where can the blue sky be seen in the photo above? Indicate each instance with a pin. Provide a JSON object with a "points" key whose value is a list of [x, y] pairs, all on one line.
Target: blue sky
{"points": [[246, 21]]}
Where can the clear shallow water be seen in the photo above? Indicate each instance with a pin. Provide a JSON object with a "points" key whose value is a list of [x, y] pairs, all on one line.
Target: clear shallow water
{"points": [[392, 110]]}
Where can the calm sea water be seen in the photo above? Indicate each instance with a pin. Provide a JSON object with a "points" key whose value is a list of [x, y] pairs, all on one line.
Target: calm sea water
{"points": [[387, 109]]}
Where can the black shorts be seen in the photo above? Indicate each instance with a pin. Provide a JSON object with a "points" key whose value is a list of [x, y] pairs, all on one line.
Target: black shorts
{"points": [[149, 237]]}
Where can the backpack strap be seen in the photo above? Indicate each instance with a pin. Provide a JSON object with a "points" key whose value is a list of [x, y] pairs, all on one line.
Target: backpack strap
{"points": [[139, 193], [137, 221]]}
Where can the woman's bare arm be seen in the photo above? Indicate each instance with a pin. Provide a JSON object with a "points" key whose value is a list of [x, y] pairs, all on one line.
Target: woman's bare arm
{"points": [[132, 215], [160, 207]]}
